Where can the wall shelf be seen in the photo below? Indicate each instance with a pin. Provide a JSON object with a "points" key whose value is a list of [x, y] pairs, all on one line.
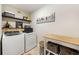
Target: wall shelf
{"points": [[17, 19], [10, 30]]}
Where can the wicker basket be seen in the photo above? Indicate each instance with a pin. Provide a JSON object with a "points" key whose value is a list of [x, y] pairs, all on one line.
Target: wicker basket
{"points": [[68, 51], [52, 47], [41, 47]]}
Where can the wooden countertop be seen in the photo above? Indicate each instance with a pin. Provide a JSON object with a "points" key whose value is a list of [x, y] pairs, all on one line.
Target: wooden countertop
{"points": [[63, 38], [8, 30]]}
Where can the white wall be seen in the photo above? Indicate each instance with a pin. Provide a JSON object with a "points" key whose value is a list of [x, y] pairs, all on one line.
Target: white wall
{"points": [[0, 28], [11, 9], [0, 21], [66, 23]]}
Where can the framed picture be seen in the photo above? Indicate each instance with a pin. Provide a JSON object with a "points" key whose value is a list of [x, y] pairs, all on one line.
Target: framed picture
{"points": [[19, 24], [46, 19]]}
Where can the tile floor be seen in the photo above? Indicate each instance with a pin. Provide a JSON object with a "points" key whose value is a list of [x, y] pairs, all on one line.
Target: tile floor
{"points": [[34, 51]]}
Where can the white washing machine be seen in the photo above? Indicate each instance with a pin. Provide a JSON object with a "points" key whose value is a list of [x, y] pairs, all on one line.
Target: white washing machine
{"points": [[13, 45]]}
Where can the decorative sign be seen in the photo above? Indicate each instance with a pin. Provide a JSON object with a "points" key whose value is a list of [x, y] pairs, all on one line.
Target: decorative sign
{"points": [[47, 19]]}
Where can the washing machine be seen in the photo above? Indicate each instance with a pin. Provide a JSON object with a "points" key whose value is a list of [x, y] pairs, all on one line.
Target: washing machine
{"points": [[13, 43]]}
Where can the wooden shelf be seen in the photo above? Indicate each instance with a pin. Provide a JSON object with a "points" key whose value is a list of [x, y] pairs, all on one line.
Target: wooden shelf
{"points": [[17, 18], [9, 30]]}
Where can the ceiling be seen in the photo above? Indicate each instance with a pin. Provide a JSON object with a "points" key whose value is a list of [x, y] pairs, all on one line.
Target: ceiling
{"points": [[28, 7]]}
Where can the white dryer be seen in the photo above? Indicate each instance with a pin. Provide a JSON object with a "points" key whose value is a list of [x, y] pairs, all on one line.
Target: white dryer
{"points": [[30, 41]]}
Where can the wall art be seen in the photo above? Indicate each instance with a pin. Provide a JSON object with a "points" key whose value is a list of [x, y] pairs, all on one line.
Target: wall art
{"points": [[46, 19]]}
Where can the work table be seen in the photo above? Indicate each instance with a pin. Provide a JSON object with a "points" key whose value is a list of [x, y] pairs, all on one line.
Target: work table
{"points": [[61, 41], [63, 38]]}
